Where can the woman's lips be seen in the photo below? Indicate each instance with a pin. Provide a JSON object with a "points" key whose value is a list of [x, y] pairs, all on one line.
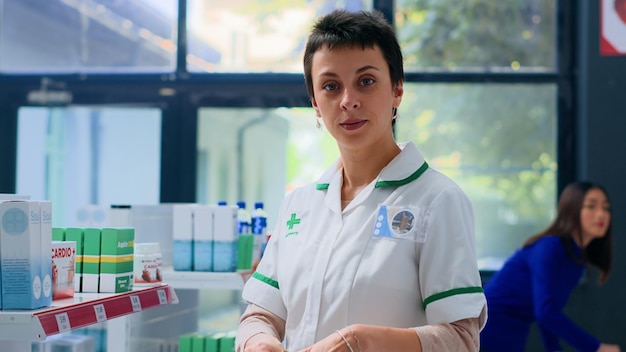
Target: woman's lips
{"points": [[352, 125]]}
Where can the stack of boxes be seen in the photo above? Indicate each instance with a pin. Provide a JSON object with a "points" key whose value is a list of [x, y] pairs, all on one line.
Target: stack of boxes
{"points": [[205, 237], [209, 342], [39, 263], [104, 258]]}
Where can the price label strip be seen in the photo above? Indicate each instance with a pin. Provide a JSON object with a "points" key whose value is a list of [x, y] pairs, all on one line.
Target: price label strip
{"points": [[136, 303], [162, 297], [63, 322], [100, 313]]}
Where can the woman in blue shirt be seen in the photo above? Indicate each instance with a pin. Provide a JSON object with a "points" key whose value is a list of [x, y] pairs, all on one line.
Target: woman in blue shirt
{"points": [[535, 283]]}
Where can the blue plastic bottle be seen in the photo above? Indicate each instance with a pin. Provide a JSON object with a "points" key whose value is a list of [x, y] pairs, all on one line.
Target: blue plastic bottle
{"points": [[259, 230], [244, 219]]}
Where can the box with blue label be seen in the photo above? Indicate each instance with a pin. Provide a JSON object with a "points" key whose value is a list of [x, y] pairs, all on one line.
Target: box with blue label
{"points": [[26, 282]]}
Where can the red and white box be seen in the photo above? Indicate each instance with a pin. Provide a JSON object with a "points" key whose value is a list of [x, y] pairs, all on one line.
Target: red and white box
{"points": [[63, 269]]}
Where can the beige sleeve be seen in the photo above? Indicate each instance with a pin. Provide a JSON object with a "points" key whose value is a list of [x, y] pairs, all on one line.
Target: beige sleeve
{"points": [[461, 335], [256, 320]]}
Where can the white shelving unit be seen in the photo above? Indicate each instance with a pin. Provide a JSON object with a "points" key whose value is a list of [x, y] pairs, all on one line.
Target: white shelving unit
{"points": [[19, 328], [196, 280]]}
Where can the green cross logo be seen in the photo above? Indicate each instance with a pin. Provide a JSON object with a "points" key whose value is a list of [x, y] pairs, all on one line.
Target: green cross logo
{"points": [[292, 221]]}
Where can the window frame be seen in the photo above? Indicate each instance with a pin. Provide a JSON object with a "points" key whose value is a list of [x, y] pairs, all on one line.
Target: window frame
{"points": [[260, 90]]}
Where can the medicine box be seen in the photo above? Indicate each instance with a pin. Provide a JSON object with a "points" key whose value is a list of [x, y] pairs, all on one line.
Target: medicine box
{"points": [[225, 238], [116, 259], [23, 278], [182, 232], [45, 212], [203, 238], [91, 259], [63, 269], [76, 234]]}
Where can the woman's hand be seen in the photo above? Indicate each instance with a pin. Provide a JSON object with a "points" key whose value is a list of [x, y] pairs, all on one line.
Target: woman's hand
{"points": [[263, 343], [333, 343], [608, 348]]}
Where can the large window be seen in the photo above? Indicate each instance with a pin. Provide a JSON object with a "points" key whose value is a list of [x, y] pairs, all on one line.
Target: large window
{"points": [[253, 36], [88, 36], [497, 141], [478, 35], [206, 98], [82, 156]]}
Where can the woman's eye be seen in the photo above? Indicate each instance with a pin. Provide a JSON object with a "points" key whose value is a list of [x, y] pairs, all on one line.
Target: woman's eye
{"points": [[367, 81], [330, 86]]}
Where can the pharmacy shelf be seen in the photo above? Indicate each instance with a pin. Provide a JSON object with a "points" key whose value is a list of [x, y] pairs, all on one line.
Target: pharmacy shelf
{"points": [[197, 280], [82, 310]]}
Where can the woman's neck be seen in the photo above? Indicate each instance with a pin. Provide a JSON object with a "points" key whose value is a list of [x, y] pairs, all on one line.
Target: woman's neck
{"points": [[360, 169]]}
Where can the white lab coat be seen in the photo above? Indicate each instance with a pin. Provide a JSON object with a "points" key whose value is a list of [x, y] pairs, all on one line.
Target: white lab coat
{"points": [[325, 268]]}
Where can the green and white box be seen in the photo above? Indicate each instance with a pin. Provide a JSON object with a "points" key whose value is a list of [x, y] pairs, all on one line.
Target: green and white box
{"points": [[91, 259], [76, 234], [116, 259]]}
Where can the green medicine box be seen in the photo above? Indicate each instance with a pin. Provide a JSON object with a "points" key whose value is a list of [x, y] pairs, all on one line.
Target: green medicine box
{"points": [[91, 259], [116, 259]]}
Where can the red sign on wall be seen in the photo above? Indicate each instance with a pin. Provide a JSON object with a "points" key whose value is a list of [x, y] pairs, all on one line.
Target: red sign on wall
{"points": [[613, 27]]}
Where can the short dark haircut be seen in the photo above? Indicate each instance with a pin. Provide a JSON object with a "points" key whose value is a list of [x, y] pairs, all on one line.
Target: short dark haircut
{"points": [[599, 252], [367, 29]]}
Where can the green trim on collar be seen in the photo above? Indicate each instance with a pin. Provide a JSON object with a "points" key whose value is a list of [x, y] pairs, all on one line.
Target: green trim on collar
{"points": [[265, 279], [398, 183], [322, 186], [455, 291]]}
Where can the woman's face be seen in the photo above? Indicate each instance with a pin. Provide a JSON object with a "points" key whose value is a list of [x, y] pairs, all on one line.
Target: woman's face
{"points": [[595, 215], [354, 95]]}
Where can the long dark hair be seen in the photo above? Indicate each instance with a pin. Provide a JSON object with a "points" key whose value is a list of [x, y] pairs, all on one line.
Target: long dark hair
{"points": [[599, 252]]}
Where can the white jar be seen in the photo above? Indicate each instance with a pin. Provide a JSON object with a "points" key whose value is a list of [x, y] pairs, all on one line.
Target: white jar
{"points": [[147, 264]]}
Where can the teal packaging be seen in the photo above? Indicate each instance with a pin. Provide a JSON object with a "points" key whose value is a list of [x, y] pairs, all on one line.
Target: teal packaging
{"points": [[182, 232], [212, 342], [203, 238], [21, 256], [185, 343], [198, 342], [227, 342], [58, 234], [225, 238]]}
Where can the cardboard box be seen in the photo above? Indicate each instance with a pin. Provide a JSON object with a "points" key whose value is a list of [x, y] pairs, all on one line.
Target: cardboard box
{"points": [[203, 238], [225, 238], [116, 259], [91, 260], [182, 231], [45, 209], [63, 269], [76, 234], [21, 256]]}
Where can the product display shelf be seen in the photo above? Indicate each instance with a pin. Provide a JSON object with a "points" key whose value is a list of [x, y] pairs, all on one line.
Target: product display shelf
{"points": [[80, 311], [197, 280]]}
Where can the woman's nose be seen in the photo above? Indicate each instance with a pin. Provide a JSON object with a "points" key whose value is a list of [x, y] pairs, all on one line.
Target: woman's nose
{"points": [[350, 100]]}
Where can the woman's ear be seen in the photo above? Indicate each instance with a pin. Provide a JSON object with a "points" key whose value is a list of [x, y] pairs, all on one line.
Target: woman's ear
{"points": [[398, 91], [317, 109]]}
